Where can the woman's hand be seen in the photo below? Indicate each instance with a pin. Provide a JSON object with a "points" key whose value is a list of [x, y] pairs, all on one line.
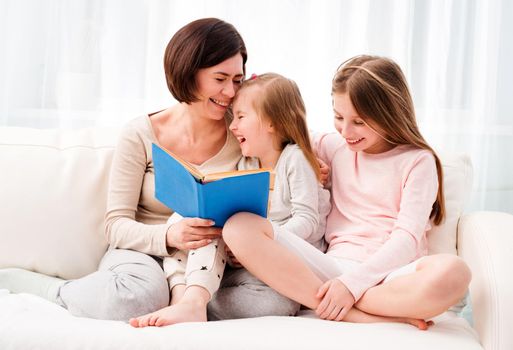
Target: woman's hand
{"points": [[191, 233], [232, 260], [325, 172], [336, 301]]}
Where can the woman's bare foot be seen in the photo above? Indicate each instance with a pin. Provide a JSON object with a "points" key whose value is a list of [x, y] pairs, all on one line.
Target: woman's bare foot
{"points": [[177, 313]]}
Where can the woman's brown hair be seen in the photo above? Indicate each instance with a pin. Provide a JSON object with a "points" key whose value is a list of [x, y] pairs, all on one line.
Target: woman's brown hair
{"points": [[379, 93], [200, 44], [280, 101]]}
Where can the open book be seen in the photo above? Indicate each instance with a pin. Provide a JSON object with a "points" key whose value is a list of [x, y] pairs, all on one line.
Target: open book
{"points": [[185, 190]]}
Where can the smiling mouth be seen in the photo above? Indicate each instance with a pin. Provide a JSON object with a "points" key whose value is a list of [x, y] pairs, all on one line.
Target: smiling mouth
{"points": [[354, 142], [241, 139], [220, 103]]}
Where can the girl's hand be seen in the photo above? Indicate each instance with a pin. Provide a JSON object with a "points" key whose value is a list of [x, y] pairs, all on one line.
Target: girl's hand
{"points": [[191, 233], [232, 260], [336, 301], [325, 172]]}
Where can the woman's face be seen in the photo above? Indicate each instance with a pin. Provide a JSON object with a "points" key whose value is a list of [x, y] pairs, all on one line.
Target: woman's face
{"points": [[217, 86], [358, 135]]}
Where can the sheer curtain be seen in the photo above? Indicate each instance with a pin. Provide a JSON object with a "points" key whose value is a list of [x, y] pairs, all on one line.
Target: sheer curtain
{"points": [[80, 63]]}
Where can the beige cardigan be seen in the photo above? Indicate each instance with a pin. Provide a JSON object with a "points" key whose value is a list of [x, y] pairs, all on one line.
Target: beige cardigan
{"points": [[135, 219]]}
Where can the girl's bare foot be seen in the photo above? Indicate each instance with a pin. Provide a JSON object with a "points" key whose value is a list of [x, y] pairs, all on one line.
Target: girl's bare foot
{"points": [[358, 316], [420, 324], [183, 311]]}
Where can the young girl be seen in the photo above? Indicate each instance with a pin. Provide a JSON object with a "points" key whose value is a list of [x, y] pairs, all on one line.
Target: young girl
{"points": [[386, 190], [270, 125]]}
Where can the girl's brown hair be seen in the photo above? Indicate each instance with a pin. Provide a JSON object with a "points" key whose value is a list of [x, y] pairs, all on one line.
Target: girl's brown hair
{"points": [[280, 101], [379, 93]]}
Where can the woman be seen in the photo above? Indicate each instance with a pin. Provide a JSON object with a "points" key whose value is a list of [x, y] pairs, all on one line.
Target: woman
{"points": [[204, 64]]}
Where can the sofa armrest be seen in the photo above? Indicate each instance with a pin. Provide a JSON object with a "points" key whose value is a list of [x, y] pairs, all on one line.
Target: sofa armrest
{"points": [[485, 242]]}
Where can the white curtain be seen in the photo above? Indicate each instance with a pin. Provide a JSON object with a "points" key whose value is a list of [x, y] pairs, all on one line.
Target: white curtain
{"points": [[80, 63]]}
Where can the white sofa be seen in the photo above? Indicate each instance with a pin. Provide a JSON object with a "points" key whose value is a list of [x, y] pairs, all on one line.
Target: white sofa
{"points": [[53, 188]]}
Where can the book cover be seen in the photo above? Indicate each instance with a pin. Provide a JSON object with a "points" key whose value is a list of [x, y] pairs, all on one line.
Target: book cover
{"points": [[182, 188]]}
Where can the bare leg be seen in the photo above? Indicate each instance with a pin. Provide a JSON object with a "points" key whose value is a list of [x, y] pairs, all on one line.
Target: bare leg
{"points": [[177, 293], [437, 284], [192, 307], [251, 240]]}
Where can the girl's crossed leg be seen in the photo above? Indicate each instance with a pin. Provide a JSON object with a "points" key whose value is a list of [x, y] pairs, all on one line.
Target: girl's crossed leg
{"points": [[289, 271]]}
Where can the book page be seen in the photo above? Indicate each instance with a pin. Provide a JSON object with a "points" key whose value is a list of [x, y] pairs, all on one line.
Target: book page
{"points": [[190, 168], [225, 174], [219, 175]]}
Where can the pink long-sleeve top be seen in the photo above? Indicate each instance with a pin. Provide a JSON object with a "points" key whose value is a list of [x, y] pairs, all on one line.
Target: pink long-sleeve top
{"points": [[380, 208]]}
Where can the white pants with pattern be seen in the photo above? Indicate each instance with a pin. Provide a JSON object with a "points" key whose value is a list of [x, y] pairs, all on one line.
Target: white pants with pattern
{"points": [[202, 267]]}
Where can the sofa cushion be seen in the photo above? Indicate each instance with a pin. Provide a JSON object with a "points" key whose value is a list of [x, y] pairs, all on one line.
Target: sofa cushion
{"points": [[53, 188], [457, 170], [52, 327]]}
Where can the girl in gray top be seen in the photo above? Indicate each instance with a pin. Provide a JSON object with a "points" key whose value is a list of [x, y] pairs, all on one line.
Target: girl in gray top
{"points": [[270, 125]]}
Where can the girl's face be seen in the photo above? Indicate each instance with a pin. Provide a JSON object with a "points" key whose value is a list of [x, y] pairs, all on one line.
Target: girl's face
{"points": [[358, 135], [217, 86], [255, 134]]}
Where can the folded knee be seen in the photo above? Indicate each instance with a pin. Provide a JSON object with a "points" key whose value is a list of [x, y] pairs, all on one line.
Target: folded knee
{"points": [[237, 226], [121, 297], [450, 277]]}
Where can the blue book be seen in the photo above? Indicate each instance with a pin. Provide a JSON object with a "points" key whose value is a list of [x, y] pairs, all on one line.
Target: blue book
{"points": [[182, 188]]}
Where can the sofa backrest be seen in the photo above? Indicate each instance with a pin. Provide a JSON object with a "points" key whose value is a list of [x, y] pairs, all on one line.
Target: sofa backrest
{"points": [[458, 175], [53, 186]]}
